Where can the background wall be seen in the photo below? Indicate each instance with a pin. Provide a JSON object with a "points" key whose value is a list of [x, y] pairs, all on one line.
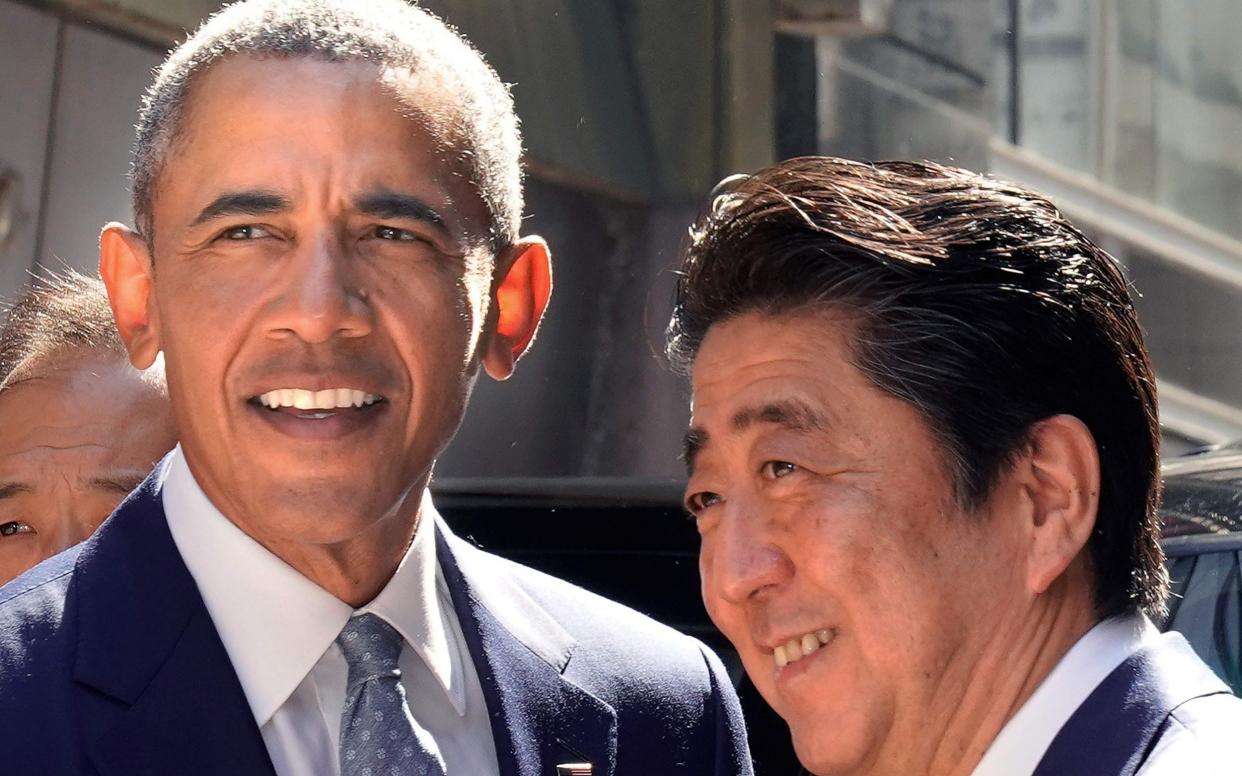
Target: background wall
{"points": [[1126, 111]]}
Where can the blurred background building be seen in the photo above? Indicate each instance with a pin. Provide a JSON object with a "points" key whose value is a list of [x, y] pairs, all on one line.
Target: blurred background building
{"points": [[1128, 112]]}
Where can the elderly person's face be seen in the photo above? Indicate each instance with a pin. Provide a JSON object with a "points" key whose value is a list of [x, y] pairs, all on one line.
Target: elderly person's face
{"points": [[834, 555], [77, 436], [319, 287]]}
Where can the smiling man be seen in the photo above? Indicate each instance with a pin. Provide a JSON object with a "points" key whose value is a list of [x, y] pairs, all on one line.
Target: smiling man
{"points": [[327, 197], [81, 427], [923, 462]]}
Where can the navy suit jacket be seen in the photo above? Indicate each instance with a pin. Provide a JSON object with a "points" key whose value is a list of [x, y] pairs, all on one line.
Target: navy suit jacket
{"points": [[1162, 694], [110, 665]]}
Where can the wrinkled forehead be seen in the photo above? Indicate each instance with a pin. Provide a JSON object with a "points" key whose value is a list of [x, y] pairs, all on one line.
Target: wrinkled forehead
{"points": [[78, 398]]}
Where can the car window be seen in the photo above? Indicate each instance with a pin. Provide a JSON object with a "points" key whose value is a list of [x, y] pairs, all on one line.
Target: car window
{"points": [[1206, 607]]}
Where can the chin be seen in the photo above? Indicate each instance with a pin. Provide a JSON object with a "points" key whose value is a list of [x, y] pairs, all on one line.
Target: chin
{"points": [[824, 749], [326, 515]]}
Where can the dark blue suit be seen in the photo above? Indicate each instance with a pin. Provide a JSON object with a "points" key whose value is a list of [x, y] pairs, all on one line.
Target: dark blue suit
{"points": [[1161, 691], [110, 664]]}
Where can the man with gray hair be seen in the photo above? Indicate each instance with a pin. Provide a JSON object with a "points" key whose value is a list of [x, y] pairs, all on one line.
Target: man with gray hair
{"points": [[81, 427], [327, 198]]}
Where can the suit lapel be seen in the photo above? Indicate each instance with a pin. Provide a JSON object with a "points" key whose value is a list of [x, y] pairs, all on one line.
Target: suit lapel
{"points": [[1112, 731], [157, 692], [539, 717]]}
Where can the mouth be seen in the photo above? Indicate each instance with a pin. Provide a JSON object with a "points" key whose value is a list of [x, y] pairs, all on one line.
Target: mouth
{"points": [[323, 414], [799, 647], [302, 400]]}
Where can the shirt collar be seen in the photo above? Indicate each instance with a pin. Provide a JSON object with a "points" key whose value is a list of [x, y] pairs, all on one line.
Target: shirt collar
{"points": [[275, 623], [414, 603], [1023, 741]]}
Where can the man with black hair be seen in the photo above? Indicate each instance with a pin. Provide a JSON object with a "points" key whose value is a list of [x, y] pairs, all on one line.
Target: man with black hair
{"points": [[923, 461], [79, 427], [327, 197]]}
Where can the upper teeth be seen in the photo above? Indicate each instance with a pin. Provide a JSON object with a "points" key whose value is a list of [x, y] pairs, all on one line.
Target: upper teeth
{"points": [[327, 399], [799, 647]]}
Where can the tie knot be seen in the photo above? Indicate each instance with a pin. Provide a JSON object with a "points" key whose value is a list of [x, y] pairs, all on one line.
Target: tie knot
{"points": [[371, 648]]}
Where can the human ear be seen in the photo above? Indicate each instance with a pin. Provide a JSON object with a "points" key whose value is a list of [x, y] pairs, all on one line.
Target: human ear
{"points": [[519, 297], [1061, 469], [125, 266]]}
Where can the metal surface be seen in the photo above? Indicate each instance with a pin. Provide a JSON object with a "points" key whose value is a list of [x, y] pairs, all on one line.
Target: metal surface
{"points": [[1194, 416], [833, 17], [1203, 499], [10, 202], [1164, 235], [28, 62], [102, 79]]}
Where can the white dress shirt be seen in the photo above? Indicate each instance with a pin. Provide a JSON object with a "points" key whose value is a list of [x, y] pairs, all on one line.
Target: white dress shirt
{"points": [[1021, 744], [279, 629]]}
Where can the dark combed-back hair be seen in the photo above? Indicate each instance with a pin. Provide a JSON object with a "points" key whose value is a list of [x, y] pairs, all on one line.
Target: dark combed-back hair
{"points": [[975, 300], [476, 114], [57, 313]]}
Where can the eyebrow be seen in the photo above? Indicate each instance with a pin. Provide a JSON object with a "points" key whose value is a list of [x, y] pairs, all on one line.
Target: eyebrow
{"points": [[390, 204], [122, 481], [790, 414], [242, 203], [11, 489]]}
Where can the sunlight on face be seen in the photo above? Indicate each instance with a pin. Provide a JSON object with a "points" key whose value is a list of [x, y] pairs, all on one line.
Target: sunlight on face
{"points": [[833, 556], [314, 250]]}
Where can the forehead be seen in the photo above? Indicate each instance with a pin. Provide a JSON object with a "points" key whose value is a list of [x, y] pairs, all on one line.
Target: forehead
{"points": [[280, 122], [792, 378], [756, 357], [91, 407]]}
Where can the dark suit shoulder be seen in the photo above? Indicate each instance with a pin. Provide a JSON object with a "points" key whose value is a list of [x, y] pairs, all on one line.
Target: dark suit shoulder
{"points": [[1200, 736], [590, 617], [624, 657], [47, 572], [32, 610], [670, 692], [37, 638]]}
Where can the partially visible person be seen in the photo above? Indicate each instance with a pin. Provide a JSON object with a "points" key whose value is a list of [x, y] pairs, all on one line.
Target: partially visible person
{"points": [[924, 465], [79, 427]]}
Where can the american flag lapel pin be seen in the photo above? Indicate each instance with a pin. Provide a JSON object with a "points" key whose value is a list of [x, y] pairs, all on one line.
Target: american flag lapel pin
{"points": [[573, 769]]}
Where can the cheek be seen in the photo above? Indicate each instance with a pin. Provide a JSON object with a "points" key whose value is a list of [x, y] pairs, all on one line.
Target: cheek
{"points": [[729, 618], [17, 555], [707, 566], [428, 314]]}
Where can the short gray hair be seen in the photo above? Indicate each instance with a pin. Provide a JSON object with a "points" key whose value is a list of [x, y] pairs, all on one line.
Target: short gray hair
{"points": [[58, 312], [390, 33]]}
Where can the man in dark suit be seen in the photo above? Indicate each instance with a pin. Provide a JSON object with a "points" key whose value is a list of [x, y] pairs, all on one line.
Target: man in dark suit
{"points": [[924, 464], [327, 199]]}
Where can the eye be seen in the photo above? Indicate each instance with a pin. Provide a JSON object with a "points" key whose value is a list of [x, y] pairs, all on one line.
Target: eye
{"points": [[393, 233], [245, 232], [778, 469], [14, 527], [697, 502]]}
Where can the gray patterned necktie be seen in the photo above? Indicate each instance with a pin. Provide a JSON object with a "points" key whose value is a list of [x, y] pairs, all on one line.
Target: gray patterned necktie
{"points": [[377, 732]]}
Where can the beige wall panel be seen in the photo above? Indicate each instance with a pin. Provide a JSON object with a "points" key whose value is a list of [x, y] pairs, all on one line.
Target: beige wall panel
{"points": [[27, 69], [102, 80]]}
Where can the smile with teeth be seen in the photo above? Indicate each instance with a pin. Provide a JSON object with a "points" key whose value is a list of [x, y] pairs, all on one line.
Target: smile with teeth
{"points": [[799, 647], [327, 399]]}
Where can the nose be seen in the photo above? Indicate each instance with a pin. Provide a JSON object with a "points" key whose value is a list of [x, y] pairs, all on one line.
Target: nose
{"points": [[62, 526], [321, 297], [745, 556]]}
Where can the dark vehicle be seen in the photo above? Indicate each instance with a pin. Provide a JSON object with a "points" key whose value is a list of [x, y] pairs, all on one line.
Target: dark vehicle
{"points": [[1202, 513], [631, 541]]}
